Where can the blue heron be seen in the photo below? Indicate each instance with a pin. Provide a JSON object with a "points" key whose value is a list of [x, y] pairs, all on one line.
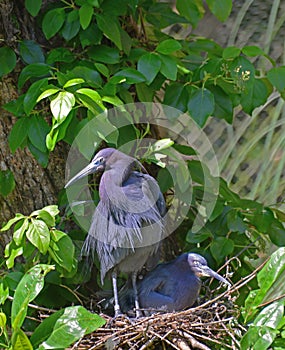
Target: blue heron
{"points": [[127, 224], [171, 286]]}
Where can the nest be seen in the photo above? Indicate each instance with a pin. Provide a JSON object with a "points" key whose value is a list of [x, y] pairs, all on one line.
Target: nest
{"points": [[211, 325]]}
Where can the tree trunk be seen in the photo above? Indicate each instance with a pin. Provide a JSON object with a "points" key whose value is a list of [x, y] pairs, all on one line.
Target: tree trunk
{"points": [[35, 186]]}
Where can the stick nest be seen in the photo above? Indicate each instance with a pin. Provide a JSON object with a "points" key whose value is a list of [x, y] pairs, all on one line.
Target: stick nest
{"points": [[211, 325]]}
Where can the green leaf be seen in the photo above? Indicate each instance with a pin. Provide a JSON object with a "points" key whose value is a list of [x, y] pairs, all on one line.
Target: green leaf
{"points": [[93, 95], [258, 338], [47, 214], [32, 94], [58, 131], [28, 288], [60, 54], [110, 27], [38, 129], [91, 36], [71, 26], [16, 106], [34, 70], [252, 51], [271, 282], [221, 247], [33, 6], [176, 96], [62, 249], [149, 65], [7, 182], [104, 129], [18, 134], [231, 52], [61, 105], [168, 46], [144, 92], [235, 222], [103, 69], [7, 60], [104, 54], [255, 96], [12, 255], [3, 318], [51, 209], [47, 93], [164, 179], [161, 15], [85, 15], [12, 279], [73, 82], [126, 41], [168, 67], [271, 315], [276, 77], [45, 328], [38, 234], [53, 21], [31, 52], [130, 76], [192, 10], [20, 341], [277, 233], [201, 105], [223, 104], [12, 221], [41, 157], [4, 293], [114, 100], [73, 324], [198, 236], [221, 8], [90, 76], [20, 229]]}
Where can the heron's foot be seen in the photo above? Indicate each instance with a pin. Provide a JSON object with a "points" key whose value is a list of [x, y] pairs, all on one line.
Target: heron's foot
{"points": [[139, 313], [120, 318]]}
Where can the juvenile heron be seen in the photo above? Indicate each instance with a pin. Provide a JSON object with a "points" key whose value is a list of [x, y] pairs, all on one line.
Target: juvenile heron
{"points": [[171, 286], [127, 225]]}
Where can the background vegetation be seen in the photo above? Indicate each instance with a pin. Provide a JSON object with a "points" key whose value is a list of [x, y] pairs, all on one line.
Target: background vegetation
{"points": [[72, 60]]}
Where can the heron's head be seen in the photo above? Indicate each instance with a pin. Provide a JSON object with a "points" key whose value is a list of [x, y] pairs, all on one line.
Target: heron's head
{"points": [[101, 160], [200, 268]]}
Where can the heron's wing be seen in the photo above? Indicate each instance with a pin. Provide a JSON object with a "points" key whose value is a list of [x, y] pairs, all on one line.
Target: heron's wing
{"points": [[155, 300], [127, 224]]}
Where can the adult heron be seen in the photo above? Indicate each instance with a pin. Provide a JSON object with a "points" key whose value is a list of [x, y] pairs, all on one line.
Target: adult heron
{"points": [[171, 286], [127, 224]]}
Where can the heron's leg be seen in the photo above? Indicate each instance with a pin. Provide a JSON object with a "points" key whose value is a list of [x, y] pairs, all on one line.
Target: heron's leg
{"points": [[137, 304], [115, 291]]}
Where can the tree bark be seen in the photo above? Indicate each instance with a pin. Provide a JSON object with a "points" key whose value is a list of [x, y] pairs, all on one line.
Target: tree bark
{"points": [[36, 186]]}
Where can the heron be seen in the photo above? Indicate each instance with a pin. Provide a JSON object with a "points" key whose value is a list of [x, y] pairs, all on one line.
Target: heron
{"points": [[171, 286], [128, 222]]}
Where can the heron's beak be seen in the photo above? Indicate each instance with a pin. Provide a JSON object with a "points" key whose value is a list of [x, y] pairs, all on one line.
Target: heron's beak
{"points": [[89, 169], [206, 271]]}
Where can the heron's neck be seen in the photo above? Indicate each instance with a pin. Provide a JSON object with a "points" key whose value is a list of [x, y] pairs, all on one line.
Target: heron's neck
{"points": [[111, 183]]}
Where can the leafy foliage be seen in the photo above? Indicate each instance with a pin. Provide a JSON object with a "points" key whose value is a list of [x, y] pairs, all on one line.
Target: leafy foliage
{"points": [[60, 330], [104, 54], [206, 79], [36, 235], [267, 325]]}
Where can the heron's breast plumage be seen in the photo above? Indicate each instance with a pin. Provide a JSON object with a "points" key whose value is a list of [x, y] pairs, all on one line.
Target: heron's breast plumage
{"points": [[127, 224]]}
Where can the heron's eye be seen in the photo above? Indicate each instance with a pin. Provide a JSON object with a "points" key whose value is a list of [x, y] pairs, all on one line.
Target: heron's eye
{"points": [[197, 264], [100, 160]]}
